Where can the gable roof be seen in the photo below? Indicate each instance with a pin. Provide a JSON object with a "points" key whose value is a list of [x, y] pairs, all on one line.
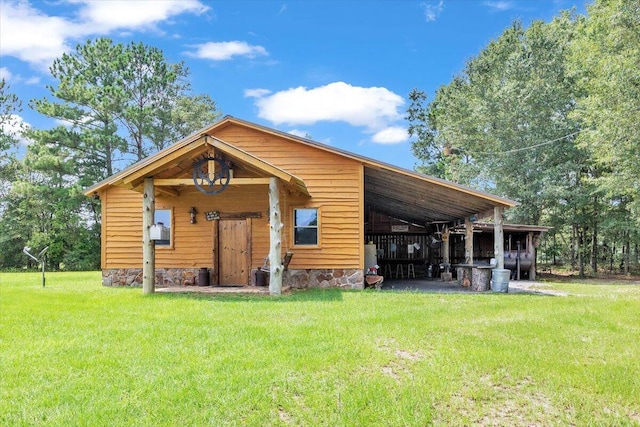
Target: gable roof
{"points": [[403, 193], [389, 189], [196, 144]]}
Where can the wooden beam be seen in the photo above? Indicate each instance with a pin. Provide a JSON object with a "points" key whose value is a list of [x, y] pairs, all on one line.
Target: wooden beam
{"points": [[168, 191], [531, 247], [211, 166], [148, 245], [240, 215], [446, 260], [179, 182], [275, 238], [498, 237], [468, 241]]}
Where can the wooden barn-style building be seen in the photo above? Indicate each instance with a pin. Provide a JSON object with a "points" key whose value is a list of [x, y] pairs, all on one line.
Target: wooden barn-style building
{"points": [[238, 198]]}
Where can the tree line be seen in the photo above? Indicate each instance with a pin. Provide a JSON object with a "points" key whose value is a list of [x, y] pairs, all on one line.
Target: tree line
{"points": [[549, 116], [114, 104]]}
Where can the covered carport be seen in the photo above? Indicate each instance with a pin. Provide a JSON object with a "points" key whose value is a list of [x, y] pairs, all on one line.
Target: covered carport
{"points": [[430, 207]]}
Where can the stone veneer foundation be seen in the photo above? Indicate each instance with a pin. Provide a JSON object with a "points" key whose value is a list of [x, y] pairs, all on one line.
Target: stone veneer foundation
{"points": [[297, 279]]}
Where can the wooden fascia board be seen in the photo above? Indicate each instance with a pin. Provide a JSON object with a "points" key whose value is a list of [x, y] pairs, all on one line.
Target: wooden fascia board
{"points": [[158, 163], [290, 180], [495, 200], [180, 182]]}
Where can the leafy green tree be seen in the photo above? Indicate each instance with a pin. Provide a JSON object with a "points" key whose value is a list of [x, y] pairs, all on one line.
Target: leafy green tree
{"points": [[45, 207], [121, 104], [88, 97], [118, 104], [606, 61], [10, 106], [10, 132], [504, 124], [507, 124]]}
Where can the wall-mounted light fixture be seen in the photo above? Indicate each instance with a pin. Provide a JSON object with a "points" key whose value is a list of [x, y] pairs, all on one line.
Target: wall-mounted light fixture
{"points": [[193, 213]]}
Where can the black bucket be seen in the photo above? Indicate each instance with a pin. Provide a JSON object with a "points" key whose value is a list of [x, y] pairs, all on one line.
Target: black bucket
{"points": [[203, 277], [262, 277]]}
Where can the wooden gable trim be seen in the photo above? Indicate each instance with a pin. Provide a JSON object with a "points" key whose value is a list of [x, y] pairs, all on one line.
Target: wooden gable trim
{"points": [[116, 179], [292, 181], [167, 161]]}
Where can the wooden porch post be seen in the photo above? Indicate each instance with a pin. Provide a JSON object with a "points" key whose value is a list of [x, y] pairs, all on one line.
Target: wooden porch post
{"points": [[446, 260], [468, 241], [498, 237], [532, 251], [148, 245], [275, 238]]}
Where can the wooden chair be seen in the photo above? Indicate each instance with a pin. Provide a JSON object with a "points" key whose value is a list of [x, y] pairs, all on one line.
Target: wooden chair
{"points": [[411, 272], [387, 271], [285, 262]]}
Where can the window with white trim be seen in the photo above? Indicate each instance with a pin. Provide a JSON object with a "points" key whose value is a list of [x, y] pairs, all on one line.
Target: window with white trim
{"points": [[305, 226], [163, 217]]}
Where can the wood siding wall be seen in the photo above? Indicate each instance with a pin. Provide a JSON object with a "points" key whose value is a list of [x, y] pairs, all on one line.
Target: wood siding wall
{"points": [[336, 187], [334, 182]]}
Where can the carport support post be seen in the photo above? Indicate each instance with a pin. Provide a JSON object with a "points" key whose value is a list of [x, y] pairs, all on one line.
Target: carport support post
{"points": [[468, 241], [498, 237], [446, 260], [275, 238], [531, 248], [148, 245]]}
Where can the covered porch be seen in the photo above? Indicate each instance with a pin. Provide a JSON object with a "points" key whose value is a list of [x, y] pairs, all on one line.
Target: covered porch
{"points": [[422, 228]]}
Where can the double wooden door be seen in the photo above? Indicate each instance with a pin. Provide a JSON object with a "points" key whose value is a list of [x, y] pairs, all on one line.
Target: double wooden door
{"points": [[233, 254]]}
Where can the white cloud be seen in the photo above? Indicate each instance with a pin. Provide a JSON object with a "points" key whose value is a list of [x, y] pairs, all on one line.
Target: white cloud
{"points": [[499, 5], [5, 74], [373, 107], [106, 16], [32, 80], [298, 132], [432, 11], [223, 51], [13, 126], [391, 135], [256, 93], [37, 38], [8, 76], [30, 35]]}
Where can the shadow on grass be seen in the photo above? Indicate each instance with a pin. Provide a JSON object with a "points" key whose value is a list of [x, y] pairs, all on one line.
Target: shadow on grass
{"points": [[298, 295]]}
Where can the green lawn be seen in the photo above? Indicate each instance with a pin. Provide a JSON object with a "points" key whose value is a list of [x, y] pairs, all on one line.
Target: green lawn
{"points": [[79, 354]]}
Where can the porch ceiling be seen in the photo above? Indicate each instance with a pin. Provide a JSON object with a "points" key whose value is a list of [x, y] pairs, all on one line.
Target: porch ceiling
{"points": [[421, 199]]}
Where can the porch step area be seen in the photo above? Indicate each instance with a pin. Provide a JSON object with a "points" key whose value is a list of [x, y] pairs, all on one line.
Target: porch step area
{"points": [[220, 290]]}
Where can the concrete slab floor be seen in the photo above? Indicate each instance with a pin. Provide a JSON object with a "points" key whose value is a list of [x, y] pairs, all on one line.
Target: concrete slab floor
{"points": [[438, 286]]}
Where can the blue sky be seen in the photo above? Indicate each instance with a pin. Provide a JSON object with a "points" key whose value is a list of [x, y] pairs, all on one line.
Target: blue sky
{"points": [[338, 71]]}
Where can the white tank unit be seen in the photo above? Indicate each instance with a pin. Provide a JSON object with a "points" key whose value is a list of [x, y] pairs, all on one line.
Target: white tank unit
{"points": [[370, 258]]}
